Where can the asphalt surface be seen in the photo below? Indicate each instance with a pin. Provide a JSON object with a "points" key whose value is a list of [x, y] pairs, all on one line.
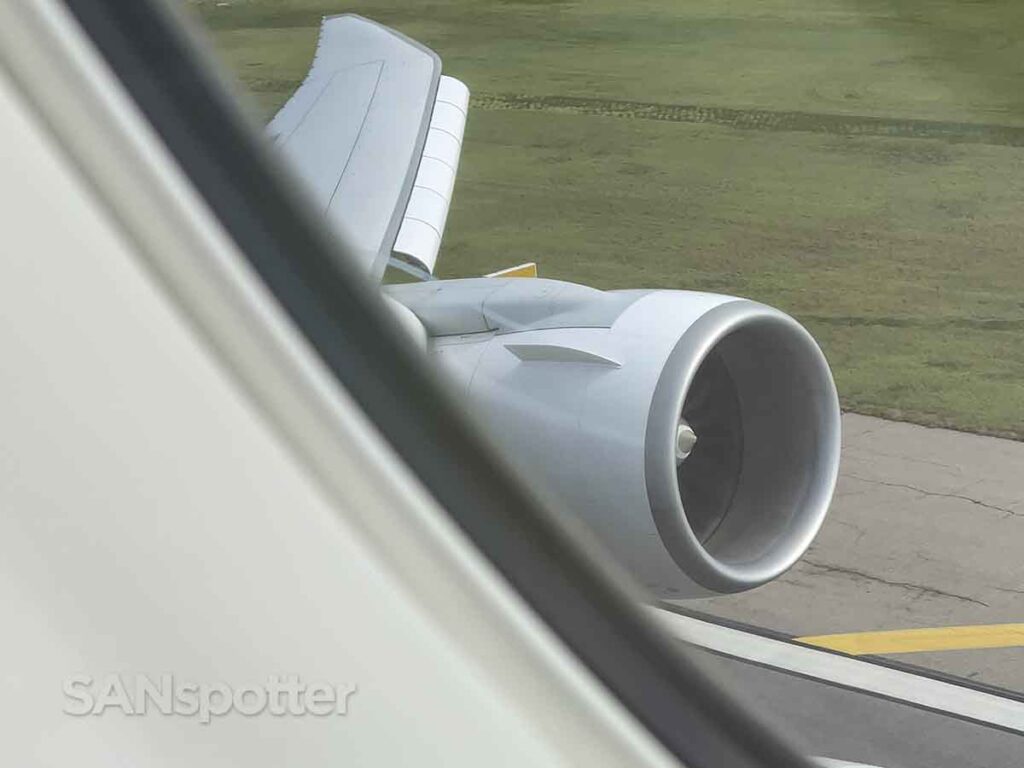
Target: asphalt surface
{"points": [[926, 530], [823, 720]]}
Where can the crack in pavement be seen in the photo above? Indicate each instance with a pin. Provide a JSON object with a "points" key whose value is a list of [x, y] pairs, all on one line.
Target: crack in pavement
{"points": [[921, 589], [1005, 510], [859, 531]]}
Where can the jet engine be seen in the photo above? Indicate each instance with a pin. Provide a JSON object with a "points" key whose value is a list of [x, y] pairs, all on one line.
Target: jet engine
{"points": [[697, 435]]}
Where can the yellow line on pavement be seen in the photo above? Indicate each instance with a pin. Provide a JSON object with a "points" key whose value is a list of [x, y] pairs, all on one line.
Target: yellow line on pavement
{"points": [[919, 640]]}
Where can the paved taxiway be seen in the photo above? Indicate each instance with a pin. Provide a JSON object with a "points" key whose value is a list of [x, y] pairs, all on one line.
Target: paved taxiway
{"points": [[824, 720], [926, 530], [856, 709]]}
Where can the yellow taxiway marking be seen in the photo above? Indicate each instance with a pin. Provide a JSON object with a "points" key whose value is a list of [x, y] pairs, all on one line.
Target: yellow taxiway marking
{"points": [[919, 640], [529, 269]]}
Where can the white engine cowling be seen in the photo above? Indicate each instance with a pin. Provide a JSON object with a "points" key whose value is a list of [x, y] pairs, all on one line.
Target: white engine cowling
{"points": [[696, 434]]}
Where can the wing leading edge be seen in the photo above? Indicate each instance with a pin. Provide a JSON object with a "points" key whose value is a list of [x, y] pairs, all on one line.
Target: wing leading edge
{"points": [[375, 133]]}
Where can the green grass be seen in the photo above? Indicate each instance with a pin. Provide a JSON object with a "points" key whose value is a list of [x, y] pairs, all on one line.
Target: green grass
{"points": [[900, 254]]}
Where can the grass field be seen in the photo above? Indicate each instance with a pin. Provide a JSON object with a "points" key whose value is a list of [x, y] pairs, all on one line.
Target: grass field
{"points": [[858, 164]]}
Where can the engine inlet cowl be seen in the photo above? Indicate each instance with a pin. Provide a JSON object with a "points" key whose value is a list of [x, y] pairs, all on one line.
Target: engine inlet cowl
{"points": [[748, 498]]}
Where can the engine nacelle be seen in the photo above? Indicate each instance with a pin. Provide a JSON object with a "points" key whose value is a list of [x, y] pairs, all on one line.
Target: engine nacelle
{"points": [[696, 435]]}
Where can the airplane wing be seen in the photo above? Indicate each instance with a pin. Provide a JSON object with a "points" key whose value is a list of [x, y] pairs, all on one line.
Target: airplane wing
{"points": [[375, 132], [718, 467]]}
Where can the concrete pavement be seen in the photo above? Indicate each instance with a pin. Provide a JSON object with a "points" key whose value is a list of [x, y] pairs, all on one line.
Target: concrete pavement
{"points": [[926, 530]]}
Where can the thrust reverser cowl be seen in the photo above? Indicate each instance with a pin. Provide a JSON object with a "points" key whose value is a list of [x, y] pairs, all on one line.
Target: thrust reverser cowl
{"points": [[696, 435]]}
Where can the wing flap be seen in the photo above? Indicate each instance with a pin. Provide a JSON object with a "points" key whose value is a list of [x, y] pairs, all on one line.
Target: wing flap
{"points": [[419, 238]]}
